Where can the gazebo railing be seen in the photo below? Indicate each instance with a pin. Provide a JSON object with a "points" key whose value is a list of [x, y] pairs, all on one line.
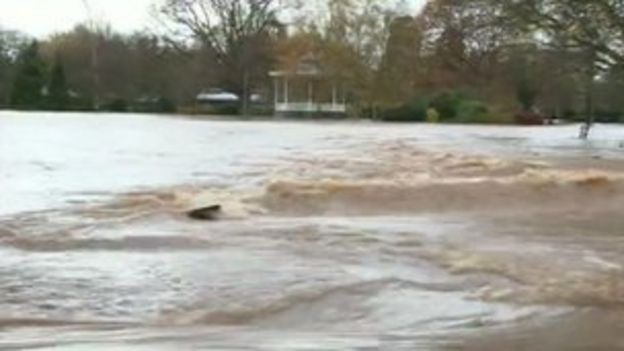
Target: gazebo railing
{"points": [[307, 107]]}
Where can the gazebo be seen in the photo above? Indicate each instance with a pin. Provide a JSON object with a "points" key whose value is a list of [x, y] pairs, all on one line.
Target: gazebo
{"points": [[307, 91]]}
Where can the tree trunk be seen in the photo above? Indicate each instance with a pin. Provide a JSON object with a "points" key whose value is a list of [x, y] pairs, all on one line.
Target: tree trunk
{"points": [[245, 96]]}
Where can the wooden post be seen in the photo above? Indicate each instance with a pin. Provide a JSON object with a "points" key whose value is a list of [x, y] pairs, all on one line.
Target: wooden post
{"points": [[590, 118], [310, 92], [286, 89]]}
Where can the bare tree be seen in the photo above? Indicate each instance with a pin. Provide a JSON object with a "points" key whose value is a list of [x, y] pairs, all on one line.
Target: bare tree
{"points": [[593, 28], [596, 25], [465, 39], [236, 31]]}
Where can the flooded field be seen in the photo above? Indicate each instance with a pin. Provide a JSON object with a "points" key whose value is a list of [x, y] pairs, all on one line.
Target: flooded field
{"points": [[334, 236]]}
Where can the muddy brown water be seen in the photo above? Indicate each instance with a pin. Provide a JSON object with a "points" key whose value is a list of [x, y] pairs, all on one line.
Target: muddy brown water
{"points": [[334, 236]]}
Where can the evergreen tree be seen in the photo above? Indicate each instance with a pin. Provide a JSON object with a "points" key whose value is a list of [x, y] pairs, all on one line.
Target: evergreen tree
{"points": [[398, 66], [5, 70], [29, 82], [58, 93]]}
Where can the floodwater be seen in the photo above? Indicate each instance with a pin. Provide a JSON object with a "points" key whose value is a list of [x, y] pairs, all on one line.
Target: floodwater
{"points": [[334, 236]]}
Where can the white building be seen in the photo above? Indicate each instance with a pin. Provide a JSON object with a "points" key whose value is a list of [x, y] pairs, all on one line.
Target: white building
{"points": [[308, 91]]}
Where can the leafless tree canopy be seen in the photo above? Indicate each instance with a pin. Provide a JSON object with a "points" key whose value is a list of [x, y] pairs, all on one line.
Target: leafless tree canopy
{"points": [[596, 25], [237, 32], [222, 25]]}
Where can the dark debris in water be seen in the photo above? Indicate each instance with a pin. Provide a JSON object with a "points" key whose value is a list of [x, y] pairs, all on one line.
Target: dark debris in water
{"points": [[210, 213]]}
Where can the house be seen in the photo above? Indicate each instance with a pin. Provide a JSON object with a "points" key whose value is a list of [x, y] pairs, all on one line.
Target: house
{"points": [[307, 90]]}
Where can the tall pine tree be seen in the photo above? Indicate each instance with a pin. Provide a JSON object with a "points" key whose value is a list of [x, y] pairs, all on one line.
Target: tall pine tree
{"points": [[58, 93], [27, 93]]}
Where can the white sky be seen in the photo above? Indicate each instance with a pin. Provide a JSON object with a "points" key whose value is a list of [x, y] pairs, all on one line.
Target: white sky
{"points": [[43, 17]]}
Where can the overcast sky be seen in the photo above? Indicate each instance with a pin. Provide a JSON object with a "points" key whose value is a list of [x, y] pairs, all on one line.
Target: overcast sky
{"points": [[43, 17]]}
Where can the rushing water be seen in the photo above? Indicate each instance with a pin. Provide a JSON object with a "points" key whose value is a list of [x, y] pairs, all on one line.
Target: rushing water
{"points": [[334, 236]]}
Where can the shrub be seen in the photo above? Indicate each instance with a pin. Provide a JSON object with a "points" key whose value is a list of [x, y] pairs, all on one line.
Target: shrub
{"points": [[166, 105], [454, 107], [413, 111], [472, 111], [116, 105], [608, 116], [154, 105], [432, 115], [447, 104], [80, 103], [228, 109]]}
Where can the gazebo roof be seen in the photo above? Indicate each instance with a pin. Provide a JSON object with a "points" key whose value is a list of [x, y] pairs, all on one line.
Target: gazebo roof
{"points": [[308, 66]]}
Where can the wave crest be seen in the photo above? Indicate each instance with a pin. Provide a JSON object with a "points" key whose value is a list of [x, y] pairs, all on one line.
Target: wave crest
{"points": [[538, 189]]}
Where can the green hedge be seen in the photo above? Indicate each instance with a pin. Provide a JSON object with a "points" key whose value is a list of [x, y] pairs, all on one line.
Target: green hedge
{"points": [[448, 104], [413, 111], [472, 111]]}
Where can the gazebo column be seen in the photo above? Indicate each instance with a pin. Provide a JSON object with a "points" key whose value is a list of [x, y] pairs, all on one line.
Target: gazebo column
{"points": [[276, 91]]}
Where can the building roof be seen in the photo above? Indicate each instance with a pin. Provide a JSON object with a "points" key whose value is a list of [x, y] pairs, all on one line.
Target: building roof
{"points": [[309, 66], [217, 95]]}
